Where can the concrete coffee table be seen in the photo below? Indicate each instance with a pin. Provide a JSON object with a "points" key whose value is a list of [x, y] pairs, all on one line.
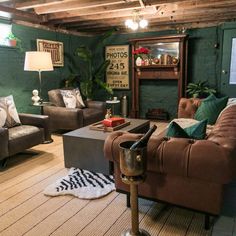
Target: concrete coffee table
{"points": [[83, 148]]}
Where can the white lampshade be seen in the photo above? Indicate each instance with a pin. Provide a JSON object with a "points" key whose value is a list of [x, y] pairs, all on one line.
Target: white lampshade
{"points": [[38, 61]]}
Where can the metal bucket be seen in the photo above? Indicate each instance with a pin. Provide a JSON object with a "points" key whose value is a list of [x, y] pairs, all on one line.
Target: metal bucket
{"points": [[132, 162]]}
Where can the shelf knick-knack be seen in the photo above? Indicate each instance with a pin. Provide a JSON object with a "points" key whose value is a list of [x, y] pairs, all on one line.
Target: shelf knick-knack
{"points": [[138, 61]]}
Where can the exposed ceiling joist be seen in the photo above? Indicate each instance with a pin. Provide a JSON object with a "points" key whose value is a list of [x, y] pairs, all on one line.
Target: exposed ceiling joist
{"points": [[25, 4], [112, 9], [98, 10], [22, 14], [98, 15], [66, 5]]}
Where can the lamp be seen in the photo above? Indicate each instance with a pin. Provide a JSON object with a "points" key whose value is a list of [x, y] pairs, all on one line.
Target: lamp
{"points": [[38, 61], [136, 22]]}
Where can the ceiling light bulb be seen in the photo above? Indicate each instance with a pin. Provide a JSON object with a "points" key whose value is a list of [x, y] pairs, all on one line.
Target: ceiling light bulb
{"points": [[129, 23], [143, 23], [134, 26]]}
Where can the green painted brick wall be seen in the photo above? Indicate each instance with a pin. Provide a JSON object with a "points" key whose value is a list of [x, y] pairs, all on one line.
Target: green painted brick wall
{"points": [[203, 64], [14, 80]]}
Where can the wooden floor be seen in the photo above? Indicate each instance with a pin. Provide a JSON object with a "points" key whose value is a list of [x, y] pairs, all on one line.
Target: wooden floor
{"points": [[24, 210]]}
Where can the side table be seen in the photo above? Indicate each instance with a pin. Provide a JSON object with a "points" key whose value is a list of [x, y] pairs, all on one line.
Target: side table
{"points": [[113, 103], [43, 104]]}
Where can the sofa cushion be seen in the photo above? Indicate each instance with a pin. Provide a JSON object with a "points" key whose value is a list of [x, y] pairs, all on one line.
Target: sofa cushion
{"points": [[22, 130], [8, 113], [196, 131], [72, 98], [23, 137], [210, 108]]}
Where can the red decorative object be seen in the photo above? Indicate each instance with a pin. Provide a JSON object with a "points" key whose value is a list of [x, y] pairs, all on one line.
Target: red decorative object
{"points": [[140, 51], [114, 121]]}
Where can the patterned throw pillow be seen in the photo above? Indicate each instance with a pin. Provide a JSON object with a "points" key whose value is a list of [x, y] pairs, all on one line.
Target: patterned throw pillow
{"points": [[196, 131], [8, 113], [210, 109], [72, 98]]}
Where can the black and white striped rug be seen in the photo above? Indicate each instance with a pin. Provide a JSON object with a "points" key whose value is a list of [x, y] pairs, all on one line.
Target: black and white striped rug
{"points": [[82, 184]]}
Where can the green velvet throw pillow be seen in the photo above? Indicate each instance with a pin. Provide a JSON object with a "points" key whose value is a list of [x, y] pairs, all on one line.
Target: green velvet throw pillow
{"points": [[174, 130], [197, 131], [210, 109]]}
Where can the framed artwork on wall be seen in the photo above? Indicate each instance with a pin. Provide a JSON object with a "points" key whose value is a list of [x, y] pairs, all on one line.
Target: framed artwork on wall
{"points": [[117, 74], [55, 48]]}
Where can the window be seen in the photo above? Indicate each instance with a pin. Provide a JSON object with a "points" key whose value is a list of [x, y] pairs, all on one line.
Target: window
{"points": [[232, 79], [5, 29]]}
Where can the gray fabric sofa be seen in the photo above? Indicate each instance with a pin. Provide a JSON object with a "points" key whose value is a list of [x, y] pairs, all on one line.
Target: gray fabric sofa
{"points": [[62, 118]]}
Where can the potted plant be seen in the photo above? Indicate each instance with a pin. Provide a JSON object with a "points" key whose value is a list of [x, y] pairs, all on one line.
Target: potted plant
{"points": [[199, 89], [92, 75], [13, 41]]}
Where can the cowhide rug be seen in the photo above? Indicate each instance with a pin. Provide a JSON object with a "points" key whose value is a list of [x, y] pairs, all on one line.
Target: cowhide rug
{"points": [[82, 184]]}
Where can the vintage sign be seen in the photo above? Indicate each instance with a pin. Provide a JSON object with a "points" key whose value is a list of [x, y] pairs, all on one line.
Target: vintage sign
{"points": [[55, 48], [117, 74]]}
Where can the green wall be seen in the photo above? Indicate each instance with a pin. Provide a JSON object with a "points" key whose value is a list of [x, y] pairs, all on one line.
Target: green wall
{"points": [[203, 64], [14, 80]]}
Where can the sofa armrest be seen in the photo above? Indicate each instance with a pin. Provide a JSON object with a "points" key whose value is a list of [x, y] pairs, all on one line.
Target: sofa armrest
{"points": [[97, 105], [197, 159], [111, 146], [4, 137], [41, 121], [188, 107], [64, 118]]}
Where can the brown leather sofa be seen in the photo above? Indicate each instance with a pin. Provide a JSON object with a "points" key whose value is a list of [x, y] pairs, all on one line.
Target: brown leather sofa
{"points": [[62, 118], [185, 172], [34, 130]]}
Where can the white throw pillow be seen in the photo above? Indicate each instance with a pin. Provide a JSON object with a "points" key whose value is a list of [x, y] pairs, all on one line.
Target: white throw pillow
{"points": [[8, 113], [231, 102], [72, 98], [79, 97]]}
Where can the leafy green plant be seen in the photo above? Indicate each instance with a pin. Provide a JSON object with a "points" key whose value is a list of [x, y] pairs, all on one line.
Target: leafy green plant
{"points": [[11, 36], [199, 89], [92, 75]]}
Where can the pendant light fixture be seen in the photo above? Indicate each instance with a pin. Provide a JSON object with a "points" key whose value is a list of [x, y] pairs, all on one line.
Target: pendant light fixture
{"points": [[136, 22]]}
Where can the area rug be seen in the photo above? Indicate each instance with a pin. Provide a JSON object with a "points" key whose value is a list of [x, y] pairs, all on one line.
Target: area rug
{"points": [[82, 184]]}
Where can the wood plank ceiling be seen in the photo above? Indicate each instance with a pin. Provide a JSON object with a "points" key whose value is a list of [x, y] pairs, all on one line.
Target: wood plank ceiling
{"points": [[97, 16]]}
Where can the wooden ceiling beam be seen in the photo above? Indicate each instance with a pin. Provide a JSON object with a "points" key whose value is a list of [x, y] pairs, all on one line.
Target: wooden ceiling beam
{"points": [[99, 10], [26, 4], [109, 15], [121, 7], [155, 28], [164, 20], [83, 4], [50, 28], [77, 5], [124, 14], [22, 14]]}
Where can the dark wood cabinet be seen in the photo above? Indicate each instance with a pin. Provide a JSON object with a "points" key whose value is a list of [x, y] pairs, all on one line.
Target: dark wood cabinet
{"points": [[166, 60]]}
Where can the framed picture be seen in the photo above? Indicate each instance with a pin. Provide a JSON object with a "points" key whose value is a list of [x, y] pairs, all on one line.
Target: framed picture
{"points": [[55, 48], [117, 74]]}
